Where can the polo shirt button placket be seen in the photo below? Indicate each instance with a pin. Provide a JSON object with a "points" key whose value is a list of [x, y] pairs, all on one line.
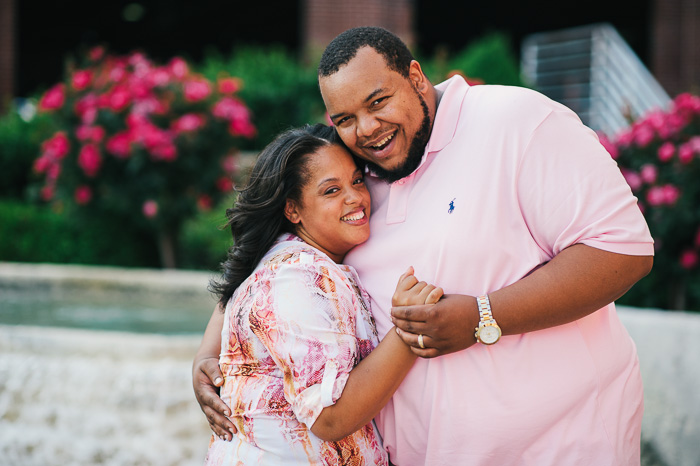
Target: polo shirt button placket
{"points": [[398, 200]]}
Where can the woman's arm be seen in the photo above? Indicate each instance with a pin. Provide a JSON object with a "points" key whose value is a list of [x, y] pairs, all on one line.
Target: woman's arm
{"points": [[375, 379]]}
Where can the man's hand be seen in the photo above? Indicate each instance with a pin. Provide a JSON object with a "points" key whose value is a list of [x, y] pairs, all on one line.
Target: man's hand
{"points": [[206, 380], [447, 326]]}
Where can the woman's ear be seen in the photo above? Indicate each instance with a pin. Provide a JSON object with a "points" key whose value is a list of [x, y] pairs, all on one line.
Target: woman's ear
{"points": [[291, 211]]}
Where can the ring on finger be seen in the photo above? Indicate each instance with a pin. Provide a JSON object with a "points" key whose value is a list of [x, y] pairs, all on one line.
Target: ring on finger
{"points": [[420, 341]]}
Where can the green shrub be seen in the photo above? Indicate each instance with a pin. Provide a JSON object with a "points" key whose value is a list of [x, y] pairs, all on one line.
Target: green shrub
{"points": [[280, 92], [489, 59], [20, 143], [33, 233], [204, 242]]}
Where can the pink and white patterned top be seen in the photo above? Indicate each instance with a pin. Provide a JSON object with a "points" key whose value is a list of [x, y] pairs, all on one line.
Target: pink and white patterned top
{"points": [[292, 333]]}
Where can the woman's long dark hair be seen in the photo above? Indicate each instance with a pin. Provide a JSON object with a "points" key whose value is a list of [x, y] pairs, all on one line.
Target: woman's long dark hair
{"points": [[257, 218]]}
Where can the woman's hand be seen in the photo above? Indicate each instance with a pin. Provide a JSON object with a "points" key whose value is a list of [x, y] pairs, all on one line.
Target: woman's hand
{"points": [[410, 291]]}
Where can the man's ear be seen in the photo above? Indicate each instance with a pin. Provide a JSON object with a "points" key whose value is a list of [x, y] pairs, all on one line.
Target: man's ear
{"points": [[417, 77], [291, 211]]}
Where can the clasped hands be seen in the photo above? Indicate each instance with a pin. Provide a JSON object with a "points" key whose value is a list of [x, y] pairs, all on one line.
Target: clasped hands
{"points": [[446, 322]]}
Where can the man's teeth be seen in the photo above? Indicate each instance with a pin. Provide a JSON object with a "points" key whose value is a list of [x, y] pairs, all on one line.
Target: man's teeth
{"points": [[383, 141], [357, 216]]}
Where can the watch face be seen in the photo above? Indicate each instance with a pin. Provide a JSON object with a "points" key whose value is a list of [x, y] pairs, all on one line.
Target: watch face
{"points": [[489, 334]]}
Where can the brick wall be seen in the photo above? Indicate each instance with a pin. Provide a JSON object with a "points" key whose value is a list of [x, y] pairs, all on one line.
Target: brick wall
{"points": [[7, 50], [676, 45], [322, 20]]}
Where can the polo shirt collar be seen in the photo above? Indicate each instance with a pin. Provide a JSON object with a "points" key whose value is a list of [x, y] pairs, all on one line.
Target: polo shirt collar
{"points": [[446, 118]]}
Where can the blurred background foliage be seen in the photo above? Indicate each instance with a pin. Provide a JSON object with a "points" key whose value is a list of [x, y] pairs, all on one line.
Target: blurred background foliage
{"points": [[281, 91]]}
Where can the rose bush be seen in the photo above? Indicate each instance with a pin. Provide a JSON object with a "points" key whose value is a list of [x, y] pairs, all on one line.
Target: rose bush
{"points": [[659, 157], [142, 143]]}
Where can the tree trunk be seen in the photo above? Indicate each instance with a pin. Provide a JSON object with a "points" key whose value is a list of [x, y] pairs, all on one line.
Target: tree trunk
{"points": [[677, 298], [167, 241]]}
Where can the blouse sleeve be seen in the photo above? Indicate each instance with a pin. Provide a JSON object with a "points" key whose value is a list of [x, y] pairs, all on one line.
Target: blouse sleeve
{"points": [[308, 326], [572, 192]]}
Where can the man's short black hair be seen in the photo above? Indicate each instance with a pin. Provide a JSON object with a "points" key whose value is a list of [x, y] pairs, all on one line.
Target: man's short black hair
{"points": [[343, 48]]}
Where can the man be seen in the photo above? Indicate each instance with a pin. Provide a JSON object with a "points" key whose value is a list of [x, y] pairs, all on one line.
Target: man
{"points": [[505, 200]]}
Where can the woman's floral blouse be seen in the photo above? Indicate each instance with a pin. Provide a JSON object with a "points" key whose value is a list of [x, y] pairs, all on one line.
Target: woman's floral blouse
{"points": [[292, 333]]}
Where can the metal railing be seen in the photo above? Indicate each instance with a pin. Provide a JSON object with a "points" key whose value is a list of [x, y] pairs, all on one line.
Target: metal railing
{"points": [[593, 71]]}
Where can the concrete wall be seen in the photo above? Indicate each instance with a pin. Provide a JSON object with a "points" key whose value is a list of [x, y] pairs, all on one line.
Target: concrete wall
{"points": [[93, 397]]}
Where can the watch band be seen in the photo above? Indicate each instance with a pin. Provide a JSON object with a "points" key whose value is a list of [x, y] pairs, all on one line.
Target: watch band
{"points": [[484, 308], [488, 332]]}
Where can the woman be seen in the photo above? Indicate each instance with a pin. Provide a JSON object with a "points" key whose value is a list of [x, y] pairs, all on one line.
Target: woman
{"points": [[299, 378]]}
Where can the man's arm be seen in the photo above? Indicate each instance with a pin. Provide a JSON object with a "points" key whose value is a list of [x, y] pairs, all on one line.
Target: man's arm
{"points": [[577, 282], [207, 378]]}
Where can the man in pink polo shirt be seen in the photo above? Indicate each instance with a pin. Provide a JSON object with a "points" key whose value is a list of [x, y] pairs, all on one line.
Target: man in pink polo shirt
{"points": [[505, 200]]}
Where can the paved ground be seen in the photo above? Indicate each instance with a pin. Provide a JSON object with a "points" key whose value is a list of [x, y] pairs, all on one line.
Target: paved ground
{"points": [[77, 397]]}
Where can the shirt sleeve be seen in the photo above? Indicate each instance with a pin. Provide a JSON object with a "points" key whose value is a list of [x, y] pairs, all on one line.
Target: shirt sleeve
{"points": [[309, 329], [572, 191]]}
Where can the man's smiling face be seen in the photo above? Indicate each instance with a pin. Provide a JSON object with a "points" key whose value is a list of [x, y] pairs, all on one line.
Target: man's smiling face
{"points": [[380, 115]]}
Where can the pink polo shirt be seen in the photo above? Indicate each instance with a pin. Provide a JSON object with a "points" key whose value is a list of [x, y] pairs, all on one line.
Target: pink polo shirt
{"points": [[509, 179]]}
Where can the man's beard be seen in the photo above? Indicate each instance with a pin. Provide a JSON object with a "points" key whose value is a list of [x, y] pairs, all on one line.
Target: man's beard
{"points": [[415, 151]]}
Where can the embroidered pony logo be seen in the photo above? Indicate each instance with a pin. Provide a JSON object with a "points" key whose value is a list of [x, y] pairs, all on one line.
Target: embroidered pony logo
{"points": [[452, 206]]}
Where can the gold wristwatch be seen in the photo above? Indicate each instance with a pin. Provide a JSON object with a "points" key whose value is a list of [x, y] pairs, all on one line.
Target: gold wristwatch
{"points": [[488, 332]]}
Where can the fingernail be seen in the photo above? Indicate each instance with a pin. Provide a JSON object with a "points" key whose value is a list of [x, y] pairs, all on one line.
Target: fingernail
{"points": [[398, 332], [218, 381]]}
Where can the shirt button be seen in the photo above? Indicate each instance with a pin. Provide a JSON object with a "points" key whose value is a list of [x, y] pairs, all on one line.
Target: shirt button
{"points": [[401, 182]]}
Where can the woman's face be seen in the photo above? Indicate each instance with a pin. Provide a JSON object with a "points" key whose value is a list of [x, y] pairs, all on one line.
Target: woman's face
{"points": [[333, 211]]}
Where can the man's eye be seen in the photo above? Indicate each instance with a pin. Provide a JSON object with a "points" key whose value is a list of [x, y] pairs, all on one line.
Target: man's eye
{"points": [[342, 121], [378, 101]]}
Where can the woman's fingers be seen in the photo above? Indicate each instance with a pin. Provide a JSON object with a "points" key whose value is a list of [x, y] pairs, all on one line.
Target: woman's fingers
{"points": [[434, 295]]}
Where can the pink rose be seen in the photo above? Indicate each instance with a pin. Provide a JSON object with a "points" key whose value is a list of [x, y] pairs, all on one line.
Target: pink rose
{"points": [[204, 202], [671, 194], [96, 53], [53, 172], [47, 193], [81, 79], [178, 67], [150, 208], [82, 194], [229, 108], [666, 151], [632, 178], [120, 144], [694, 143], [229, 164], [224, 184], [625, 138], [609, 146], [242, 127], [165, 152], [117, 74], [86, 133], [643, 135], [229, 85], [188, 122], [57, 146], [53, 98], [119, 98], [648, 173], [159, 77], [197, 89], [663, 195], [685, 153], [89, 159], [689, 259], [42, 164]]}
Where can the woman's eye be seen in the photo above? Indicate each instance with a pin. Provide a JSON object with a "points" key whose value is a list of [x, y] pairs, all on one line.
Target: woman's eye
{"points": [[331, 191], [359, 181]]}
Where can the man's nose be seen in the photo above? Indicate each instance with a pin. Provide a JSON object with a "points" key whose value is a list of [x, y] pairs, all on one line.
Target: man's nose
{"points": [[367, 126]]}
